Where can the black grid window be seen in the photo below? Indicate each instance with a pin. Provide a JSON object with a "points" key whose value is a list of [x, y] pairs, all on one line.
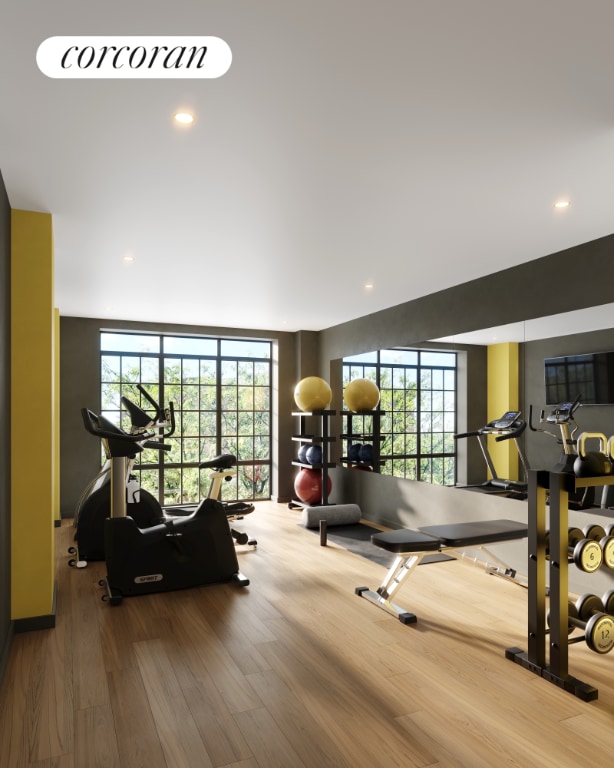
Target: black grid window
{"points": [[418, 395], [221, 392]]}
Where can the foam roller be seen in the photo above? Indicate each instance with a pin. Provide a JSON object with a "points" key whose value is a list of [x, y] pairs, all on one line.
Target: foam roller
{"points": [[334, 514]]}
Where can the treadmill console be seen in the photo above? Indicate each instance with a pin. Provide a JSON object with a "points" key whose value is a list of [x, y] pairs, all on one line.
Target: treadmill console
{"points": [[506, 421]]}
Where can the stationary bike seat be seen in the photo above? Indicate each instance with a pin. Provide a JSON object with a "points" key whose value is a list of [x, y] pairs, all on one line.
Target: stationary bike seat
{"points": [[223, 461]]}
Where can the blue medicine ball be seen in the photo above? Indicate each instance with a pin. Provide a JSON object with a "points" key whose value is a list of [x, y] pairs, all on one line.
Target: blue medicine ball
{"points": [[366, 453], [354, 451], [302, 453], [314, 455]]}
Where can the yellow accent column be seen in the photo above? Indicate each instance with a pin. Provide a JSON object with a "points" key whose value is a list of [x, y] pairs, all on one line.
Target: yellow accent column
{"points": [[33, 409], [502, 397]]}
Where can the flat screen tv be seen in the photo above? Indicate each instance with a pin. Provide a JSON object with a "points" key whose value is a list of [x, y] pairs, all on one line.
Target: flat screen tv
{"points": [[590, 376]]}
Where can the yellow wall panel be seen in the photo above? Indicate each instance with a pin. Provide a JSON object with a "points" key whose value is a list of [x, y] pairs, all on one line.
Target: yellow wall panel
{"points": [[33, 444], [502, 397]]}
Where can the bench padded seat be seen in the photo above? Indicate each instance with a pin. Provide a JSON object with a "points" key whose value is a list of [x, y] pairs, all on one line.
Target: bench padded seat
{"points": [[431, 538], [403, 540], [471, 534]]}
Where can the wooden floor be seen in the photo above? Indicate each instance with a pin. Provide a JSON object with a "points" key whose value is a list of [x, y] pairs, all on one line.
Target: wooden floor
{"points": [[294, 670]]}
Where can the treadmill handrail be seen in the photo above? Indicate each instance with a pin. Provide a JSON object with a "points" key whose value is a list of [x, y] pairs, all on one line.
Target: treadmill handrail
{"points": [[467, 434], [516, 430]]}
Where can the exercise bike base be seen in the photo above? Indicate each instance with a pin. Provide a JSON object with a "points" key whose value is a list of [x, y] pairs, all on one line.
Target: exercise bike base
{"points": [[181, 553]]}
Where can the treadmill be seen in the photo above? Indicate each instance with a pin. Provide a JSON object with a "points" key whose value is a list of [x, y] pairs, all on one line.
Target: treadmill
{"points": [[508, 427]]}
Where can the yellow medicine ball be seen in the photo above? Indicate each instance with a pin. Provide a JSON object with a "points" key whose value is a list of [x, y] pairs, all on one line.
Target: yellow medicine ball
{"points": [[361, 395], [313, 394]]}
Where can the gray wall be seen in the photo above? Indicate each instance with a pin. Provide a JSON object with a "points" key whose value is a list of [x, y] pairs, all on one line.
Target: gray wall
{"points": [[572, 279], [5, 434]]}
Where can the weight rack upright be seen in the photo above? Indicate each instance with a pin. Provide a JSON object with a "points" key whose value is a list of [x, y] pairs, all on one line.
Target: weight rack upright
{"points": [[548, 648]]}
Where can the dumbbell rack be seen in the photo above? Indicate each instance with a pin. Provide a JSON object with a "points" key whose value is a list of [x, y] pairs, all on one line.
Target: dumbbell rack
{"points": [[548, 648]]}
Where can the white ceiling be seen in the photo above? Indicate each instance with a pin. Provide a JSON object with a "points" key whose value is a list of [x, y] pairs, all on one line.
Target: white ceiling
{"points": [[407, 143]]}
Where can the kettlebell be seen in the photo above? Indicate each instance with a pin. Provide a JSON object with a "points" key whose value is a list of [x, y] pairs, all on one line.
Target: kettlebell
{"points": [[592, 463]]}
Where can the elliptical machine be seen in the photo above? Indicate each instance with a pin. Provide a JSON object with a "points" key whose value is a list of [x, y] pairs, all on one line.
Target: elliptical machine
{"points": [[94, 504], [562, 416], [223, 467], [176, 554]]}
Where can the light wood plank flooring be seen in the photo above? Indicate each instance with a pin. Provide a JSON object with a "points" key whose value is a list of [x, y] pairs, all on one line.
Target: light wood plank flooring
{"points": [[294, 671]]}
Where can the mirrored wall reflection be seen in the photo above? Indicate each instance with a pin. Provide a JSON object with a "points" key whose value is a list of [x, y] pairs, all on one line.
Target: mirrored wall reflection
{"points": [[561, 358], [427, 402], [564, 324], [418, 400]]}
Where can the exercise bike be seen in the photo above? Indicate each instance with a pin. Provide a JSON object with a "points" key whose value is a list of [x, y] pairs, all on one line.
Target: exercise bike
{"points": [[94, 504], [507, 427], [179, 553], [563, 417]]}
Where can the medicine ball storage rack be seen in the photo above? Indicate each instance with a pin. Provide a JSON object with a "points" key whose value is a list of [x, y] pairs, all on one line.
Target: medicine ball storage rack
{"points": [[548, 633], [362, 448], [322, 438]]}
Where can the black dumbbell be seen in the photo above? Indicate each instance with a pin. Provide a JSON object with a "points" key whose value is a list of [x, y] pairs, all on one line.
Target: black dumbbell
{"points": [[585, 553], [599, 629], [588, 604], [587, 613], [606, 541]]}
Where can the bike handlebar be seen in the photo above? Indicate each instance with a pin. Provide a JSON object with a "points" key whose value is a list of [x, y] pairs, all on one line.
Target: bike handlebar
{"points": [[556, 412], [140, 418], [106, 430]]}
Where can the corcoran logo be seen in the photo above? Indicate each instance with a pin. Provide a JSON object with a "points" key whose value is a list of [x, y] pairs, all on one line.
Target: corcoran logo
{"points": [[144, 579], [133, 57]]}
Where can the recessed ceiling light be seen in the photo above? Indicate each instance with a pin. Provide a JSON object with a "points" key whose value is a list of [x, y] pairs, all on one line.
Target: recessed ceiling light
{"points": [[184, 118], [562, 204], [128, 258], [368, 285]]}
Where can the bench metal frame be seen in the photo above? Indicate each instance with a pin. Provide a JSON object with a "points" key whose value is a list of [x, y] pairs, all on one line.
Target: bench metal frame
{"points": [[455, 540]]}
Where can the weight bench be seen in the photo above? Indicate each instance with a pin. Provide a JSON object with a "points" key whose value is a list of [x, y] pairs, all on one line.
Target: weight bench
{"points": [[411, 546]]}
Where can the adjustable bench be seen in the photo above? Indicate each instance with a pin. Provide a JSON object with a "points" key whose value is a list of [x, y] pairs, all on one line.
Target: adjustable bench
{"points": [[411, 546]]}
